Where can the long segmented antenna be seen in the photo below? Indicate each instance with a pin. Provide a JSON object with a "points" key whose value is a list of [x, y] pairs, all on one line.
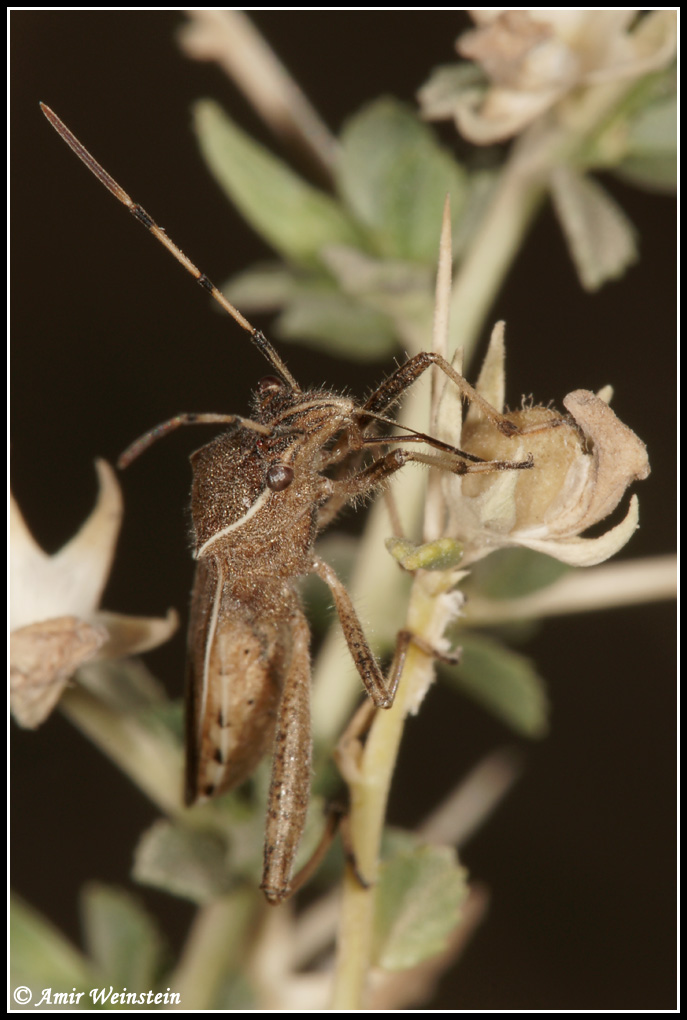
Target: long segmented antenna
{"points": [[258, 338]]}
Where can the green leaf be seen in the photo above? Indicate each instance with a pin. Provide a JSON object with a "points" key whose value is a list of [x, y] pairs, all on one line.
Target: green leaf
{"points": [[480, 191], [352, 316], [42, 958], [126, 685], [418, 903], [290, 214], [601, 239], [122, 939], [447, 86], [502, 681], [235, 994], [264, 287], [512, 573], [395, 178], [169, 717], [365, 276], [654, 173], [339, 325], [315, 313], [654, 130], [651, 160], [183, 862], [401, 291]]}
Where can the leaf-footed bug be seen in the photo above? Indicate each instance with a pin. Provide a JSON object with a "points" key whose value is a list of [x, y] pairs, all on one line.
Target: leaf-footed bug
{"points": [[262, 491]]}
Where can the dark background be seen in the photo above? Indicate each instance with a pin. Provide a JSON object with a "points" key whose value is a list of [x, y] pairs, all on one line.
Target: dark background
{"points": [[108, 338]]}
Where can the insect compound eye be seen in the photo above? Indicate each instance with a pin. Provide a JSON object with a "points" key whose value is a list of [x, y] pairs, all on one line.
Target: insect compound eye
{"points": [[269, 384], [279, 477]]}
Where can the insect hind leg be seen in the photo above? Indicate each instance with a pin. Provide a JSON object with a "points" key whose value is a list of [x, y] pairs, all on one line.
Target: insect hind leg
{"points": [[290, 783]]}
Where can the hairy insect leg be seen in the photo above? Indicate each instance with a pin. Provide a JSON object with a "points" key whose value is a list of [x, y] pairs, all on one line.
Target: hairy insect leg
{"points": [[336, 824], [405, 375], [349, 748], [379, 470], [141, 444], [376, 473], [370, 672], [290, 783], [381, 689], [335, 815], [406, 638]]}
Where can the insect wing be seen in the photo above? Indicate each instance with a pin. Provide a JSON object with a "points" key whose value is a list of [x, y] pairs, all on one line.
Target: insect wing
{"points": [[233, 686]]}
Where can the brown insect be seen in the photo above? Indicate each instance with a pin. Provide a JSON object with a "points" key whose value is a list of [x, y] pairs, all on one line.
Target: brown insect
{"points": [[262, 491]]}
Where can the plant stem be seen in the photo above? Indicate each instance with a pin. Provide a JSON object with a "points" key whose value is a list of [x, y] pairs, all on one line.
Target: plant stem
{"points": [[375, 585], [512, 209], [215, 945], [514, 204], [584, 591], [231, 38], [432, 606]]}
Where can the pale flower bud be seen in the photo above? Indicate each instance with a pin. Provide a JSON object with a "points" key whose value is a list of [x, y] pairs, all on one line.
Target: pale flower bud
{"points": [[55, 623], [582, 466]]}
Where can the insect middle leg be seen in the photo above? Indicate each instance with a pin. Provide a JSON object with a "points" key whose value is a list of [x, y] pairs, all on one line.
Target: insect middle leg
{"points": [[369, 669], [343, 490], [349, 748], [381, 688]]}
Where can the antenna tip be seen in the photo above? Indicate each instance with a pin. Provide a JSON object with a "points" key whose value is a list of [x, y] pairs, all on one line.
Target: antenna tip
{"points": [[52, 117]]}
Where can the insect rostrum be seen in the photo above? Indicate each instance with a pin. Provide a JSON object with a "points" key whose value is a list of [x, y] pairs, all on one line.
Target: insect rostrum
{"points": [[261, 493]]}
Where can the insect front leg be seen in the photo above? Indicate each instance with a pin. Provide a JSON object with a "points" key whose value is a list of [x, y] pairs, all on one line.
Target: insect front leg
{"points": [[371, 477], [145, 441], [405, 375]]}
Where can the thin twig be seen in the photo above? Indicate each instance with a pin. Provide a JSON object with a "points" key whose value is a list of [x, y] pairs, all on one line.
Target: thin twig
{"points": [[231, 39], [434, 505], [452, 823], [605, 587], [216, 939], [473, 800]]}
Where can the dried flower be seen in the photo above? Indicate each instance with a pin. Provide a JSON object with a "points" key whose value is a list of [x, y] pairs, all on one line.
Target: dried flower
{"points": [[55, 623], [583, 463], [534, 59]]}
